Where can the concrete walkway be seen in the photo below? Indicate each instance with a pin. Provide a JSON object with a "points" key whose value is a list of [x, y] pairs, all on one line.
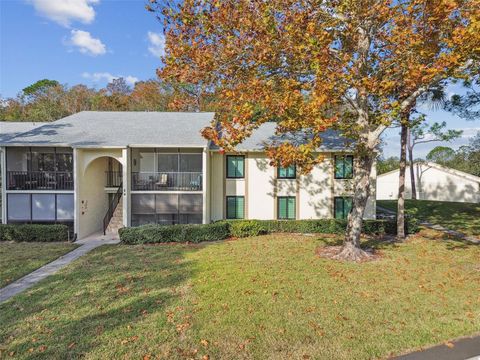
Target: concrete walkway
{"points": [[31, 279], [454, 233], [462, 349], [457, 234]]}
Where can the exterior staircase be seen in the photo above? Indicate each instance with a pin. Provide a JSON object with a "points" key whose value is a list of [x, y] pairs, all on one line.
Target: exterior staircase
{"points": [[116, 222]]}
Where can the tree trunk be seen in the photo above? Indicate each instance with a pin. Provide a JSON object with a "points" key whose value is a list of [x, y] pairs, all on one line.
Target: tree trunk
{"points": [[412, 170], [362, 169], [401, 183]]}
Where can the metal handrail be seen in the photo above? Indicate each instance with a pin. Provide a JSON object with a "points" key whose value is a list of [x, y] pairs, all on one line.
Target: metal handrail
{"points": [[167, 180], [113, 178], [39, 180], [111, 208]]}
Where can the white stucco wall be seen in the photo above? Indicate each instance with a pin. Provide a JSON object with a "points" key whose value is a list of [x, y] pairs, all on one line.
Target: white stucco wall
{"points": [[216, 190], [433, 183], [314, 192], [91, 198], [260, 187]]}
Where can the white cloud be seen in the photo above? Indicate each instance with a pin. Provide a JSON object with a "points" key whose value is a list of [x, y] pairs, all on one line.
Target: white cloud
{"points": [[86, 43], [64, 12], [157, 44], [107, 77]]}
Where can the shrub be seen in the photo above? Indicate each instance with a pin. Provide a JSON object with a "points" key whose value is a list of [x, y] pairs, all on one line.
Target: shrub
{"points": [[33, 232], [174, 233], [322, 226], [245, 228]]}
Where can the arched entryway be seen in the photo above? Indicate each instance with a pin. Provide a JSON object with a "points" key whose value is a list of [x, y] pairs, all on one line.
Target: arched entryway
{"points": [[100, 193]]}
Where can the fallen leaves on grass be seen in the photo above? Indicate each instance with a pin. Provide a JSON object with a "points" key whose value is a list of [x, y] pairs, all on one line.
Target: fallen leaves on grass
{"points": [[329, 252]]}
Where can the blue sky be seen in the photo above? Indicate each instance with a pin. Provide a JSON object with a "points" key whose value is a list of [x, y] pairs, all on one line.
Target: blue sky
{"points": [[93, 41]]}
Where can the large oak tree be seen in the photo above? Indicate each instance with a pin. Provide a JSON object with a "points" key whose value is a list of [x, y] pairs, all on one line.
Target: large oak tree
{"points": [[309, 65]]}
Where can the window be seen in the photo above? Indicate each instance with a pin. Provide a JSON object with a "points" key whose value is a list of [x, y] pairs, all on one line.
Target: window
{"points": [[190, 163], [235, 166], [287, 173], [235, 207], [65, 207], [286, 207], [342, 206], [167, 209], [43, 207], [343, 167], [19, 207], [40, 207]]}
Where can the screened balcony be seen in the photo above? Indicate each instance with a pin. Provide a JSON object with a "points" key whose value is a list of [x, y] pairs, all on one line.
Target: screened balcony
{"points": [[31, 168], [166, 170]]}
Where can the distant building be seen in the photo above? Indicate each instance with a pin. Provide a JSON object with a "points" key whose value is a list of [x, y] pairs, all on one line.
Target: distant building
{"points": [[433, 182]]}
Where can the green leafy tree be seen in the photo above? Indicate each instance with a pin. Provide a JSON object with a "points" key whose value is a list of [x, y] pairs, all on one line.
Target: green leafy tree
{"points": [[39, 88], [420, 132], [467, 106], [385, 165], [442, 155]]}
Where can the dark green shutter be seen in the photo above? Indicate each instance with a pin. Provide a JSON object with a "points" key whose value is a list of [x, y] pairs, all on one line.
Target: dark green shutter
{"points": [[339, 168], [291, 208], [348, 167], [286, 207], [240, 207], [338, 208], [230, 166], [240, 166], [343, 206], [282, 208], [231, 208], [287, 173], [347, 206], [235, 207], [235, 166]]}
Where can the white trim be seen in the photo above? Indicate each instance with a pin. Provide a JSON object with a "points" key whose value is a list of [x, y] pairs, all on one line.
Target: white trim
{"points": [[3, 174], [76, 200], [159, 146], [165, 192], [204, 187], [45, 191], [126, 179]]}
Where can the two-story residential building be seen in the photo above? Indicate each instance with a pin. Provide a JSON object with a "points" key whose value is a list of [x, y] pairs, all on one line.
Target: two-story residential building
{"points": [[91, 169]]}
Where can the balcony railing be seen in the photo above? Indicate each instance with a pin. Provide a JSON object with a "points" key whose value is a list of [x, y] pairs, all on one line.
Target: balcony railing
{"points": [[113, 178], [167, 181], [39, 180]]}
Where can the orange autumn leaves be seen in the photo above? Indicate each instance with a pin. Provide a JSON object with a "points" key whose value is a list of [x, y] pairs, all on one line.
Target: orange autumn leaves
{"points": [[301, 63]]}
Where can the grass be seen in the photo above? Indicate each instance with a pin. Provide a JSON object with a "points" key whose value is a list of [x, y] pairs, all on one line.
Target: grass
{"points": [[19, 259], [267, 297], [463, 217]]}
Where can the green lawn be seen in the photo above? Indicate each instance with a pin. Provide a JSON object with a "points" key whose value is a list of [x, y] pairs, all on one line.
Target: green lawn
{"points": [[267, 297], [19, 259], [463, 217]]}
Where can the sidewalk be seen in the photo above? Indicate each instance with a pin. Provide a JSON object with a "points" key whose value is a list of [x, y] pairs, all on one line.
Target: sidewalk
{"points": [[462, 349], [34, 277]]}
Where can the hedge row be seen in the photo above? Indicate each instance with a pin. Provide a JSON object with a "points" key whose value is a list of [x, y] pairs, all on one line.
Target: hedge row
{"points": [[243, 228], [174, 233], [33, 232]]}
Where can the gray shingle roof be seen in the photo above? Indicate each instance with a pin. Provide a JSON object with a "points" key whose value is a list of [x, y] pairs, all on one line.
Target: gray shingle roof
{"points": [[331, 140], [10, 129], [111, 129], [155, 129]]}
